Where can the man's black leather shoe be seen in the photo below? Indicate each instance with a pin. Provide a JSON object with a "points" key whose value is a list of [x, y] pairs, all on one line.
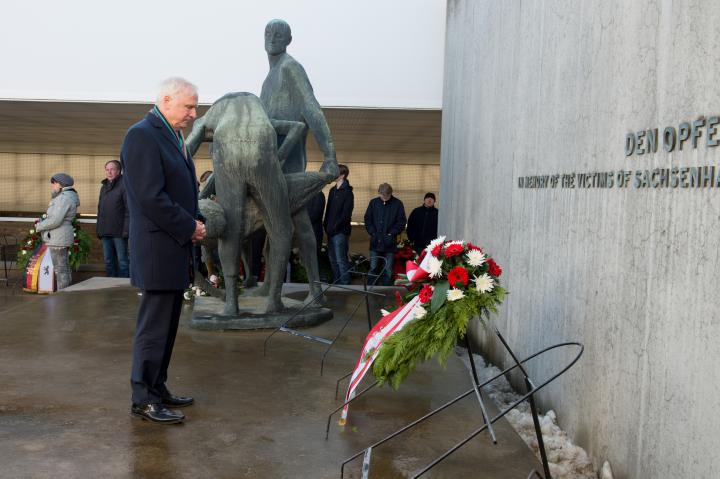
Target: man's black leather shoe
{"points": [[177, 401], [157, 413]]}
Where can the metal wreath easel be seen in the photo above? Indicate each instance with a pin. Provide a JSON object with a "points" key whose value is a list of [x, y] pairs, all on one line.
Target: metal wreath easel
{"points": [[528, 396], [367, 291]]}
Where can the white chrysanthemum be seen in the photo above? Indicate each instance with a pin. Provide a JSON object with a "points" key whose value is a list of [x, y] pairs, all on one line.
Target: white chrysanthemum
{"points": [[384, 312], [461, 243], [419, 312], [434, 267], [435, 242], [475, 257], [455, 294], [484, 283]]}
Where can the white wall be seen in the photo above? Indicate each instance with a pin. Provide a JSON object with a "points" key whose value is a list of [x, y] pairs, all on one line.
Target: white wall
{"points": [[553, 86], [373, 53]]}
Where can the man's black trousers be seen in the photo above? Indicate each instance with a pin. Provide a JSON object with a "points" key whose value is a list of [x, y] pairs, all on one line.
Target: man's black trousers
{"points": [[155, 333]]}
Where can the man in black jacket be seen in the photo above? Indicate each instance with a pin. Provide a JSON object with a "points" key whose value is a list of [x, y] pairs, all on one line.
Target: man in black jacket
{"points": [[112, 221], [384, 221], [423, 223], [337, 225]]}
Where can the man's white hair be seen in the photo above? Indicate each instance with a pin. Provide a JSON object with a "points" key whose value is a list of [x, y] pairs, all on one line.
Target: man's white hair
{"points": [[172, 86]]}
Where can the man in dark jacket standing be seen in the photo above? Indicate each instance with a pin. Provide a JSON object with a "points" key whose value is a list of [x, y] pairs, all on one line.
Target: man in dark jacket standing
{"points": [[384, 221], [423, 223], [341, 202], [162, 198], [113, 221]]}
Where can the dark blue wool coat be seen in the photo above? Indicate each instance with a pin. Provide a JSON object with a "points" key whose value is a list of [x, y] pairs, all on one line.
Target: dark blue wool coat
{"points": [[162, 198], [384, 221]]}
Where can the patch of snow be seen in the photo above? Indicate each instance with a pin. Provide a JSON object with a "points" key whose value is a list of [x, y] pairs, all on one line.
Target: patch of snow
{"points": [[567, 461], [606, 471]]}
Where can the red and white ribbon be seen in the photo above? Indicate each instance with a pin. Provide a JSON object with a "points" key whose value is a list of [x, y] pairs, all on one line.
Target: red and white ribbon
{"points": [[389, 324]]}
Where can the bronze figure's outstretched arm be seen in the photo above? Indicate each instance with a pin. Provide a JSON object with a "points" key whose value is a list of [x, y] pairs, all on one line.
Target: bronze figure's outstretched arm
{"points": [[293, 131]]}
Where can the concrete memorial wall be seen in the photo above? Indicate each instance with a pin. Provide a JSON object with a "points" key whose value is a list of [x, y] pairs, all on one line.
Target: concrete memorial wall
{"points": [[580, 147]]}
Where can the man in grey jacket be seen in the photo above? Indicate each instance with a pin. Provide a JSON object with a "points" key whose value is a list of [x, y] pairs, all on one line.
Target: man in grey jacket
{"points": [[57, 229]]}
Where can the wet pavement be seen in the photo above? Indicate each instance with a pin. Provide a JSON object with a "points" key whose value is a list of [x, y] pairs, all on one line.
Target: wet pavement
{"points": [[64, 401]]}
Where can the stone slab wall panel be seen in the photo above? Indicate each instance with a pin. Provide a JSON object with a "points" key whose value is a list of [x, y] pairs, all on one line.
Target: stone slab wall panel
{"points": [[551, 87]]}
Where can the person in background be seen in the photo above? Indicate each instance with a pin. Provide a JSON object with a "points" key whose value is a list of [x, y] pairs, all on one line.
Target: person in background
{"points": [[113, 221], [423, 223], [384, 221], [57, 229], [341, 202]]}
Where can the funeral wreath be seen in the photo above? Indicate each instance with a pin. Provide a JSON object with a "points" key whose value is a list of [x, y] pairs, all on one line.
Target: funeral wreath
{"points": [[453, 282], [449, 283], [78, 252]]}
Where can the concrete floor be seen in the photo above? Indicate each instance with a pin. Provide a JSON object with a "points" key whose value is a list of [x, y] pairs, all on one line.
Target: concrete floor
{"points": [[64, 402]]}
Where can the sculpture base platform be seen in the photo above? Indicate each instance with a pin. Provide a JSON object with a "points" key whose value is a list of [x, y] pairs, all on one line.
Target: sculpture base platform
{"points": [[208, 315]]}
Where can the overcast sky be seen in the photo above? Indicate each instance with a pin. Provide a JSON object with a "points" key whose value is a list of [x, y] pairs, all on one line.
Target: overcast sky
{"points": [[369, 53]]}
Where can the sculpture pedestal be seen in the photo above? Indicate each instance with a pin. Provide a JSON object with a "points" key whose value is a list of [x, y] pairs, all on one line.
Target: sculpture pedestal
{"points": [[207, 314]]}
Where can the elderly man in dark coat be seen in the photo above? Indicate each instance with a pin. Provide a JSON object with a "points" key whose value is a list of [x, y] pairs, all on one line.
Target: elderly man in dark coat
{"points": [[162, 198]]}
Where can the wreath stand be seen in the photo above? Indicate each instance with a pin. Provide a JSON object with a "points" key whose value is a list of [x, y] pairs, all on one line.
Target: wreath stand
{"points": [[366, 293], [529, 396]]}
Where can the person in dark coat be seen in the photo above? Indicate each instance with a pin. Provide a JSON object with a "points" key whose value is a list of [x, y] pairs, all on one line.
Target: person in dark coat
{"points": [[163, 201], [316, 208], [423, 223], [341, 202], [113, 221], [384, 221]]}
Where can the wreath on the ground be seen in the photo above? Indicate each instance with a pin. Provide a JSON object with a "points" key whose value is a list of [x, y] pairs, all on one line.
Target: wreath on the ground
{"points": [[453, 282], [78, 252]]}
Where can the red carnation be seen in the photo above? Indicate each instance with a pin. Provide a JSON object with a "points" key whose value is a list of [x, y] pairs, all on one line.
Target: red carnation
{"points": [[493, 268], [475, 247], [454, 250], [426, 293], [436, 250], [458, 275]]}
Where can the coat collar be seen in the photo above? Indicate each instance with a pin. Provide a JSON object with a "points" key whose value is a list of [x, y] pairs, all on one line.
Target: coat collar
{"points": [[158, 123], [153, 119], [112, 183]]}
